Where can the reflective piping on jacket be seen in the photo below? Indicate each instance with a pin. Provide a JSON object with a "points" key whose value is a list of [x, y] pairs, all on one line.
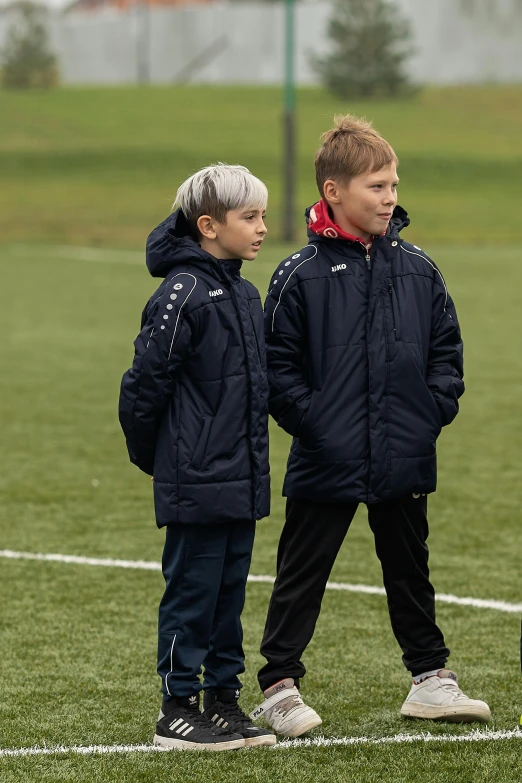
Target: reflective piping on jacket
{"points": [[433, 267], [287, 279], [182, 306]]}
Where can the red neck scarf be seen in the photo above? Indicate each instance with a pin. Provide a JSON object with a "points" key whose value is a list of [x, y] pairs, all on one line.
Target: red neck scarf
{"points": [[322, 224]]}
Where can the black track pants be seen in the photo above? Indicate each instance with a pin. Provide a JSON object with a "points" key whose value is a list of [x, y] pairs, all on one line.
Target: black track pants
{"points": [[310, 540]]}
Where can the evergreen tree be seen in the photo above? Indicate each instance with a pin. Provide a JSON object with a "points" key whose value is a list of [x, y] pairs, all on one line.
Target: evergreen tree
{"points": [[26, 59], [371, 40]]}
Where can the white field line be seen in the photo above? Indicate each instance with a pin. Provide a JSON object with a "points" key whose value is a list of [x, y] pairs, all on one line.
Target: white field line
{"points": [[148, 565], [78, 253], [473, 736], [315, 742], [143, 565]]}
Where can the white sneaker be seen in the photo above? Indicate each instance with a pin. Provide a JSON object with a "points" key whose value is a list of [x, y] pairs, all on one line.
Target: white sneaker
{"points": [[285, 711], [440, 698]]}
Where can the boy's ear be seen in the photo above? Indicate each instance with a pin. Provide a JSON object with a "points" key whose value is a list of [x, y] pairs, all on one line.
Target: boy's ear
{"points": [[205, 226], [330, 191]]}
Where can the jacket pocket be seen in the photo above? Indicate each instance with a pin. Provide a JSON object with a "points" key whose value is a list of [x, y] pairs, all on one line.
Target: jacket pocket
{"points": [[396, 315], [198, 457], [306, 423], [437, 411]]}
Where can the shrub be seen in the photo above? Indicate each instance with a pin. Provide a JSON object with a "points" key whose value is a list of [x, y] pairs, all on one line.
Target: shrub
{"points": [[26, 59], [371, 41]]}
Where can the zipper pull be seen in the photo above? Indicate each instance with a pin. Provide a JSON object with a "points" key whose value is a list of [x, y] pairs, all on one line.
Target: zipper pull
{"points": [[368, 262]]}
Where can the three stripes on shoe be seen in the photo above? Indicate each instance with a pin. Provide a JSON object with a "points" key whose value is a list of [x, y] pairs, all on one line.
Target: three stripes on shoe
{"points": [[221, 722], [183, 729]]}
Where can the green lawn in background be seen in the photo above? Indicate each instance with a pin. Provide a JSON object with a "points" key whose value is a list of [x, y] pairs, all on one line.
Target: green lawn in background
{"points": [[101, 166], [77, 661]]}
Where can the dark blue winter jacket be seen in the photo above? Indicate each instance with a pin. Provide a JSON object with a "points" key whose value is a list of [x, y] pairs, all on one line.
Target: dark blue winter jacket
{"points": [[194, 405], [364, 367]]}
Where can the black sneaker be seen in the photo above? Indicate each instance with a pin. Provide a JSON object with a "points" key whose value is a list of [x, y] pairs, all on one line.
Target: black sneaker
{"points": [[224, 711], [183, 727]]}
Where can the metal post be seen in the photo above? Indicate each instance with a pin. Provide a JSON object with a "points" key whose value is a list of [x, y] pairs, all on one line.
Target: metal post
{"points": [[289, 127], [143, 42]]}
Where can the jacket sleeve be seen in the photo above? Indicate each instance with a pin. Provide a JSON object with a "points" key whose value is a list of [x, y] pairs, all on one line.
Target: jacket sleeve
{"points": [[160, 349], [445, 359], [290, 391]]}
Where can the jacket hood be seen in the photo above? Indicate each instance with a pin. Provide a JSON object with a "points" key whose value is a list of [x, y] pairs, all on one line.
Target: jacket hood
{"points": [[399, 220], [171, 244]]}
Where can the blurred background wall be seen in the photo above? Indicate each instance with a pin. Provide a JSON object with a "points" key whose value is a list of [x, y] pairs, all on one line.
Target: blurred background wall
{"points": [[456, 42]]}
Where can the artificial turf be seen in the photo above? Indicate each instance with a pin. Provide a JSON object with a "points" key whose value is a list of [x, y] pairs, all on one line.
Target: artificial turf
{"points": [[77, 642]]}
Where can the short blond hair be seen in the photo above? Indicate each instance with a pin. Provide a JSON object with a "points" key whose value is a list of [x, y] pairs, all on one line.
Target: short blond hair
{"points": [[217, 189], [352, 147]]}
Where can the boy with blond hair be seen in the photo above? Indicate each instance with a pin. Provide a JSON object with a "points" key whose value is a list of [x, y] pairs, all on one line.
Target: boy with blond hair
{"points": [[365, 368], [193, 408]]}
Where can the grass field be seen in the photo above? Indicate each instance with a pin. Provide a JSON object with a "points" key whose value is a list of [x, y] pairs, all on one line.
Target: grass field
{"points": [[102, 165], [77, 642]]}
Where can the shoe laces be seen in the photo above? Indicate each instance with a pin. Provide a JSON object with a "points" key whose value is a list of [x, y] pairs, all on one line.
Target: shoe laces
{"points": [[234, 713], [201, 721], [453, 689]]}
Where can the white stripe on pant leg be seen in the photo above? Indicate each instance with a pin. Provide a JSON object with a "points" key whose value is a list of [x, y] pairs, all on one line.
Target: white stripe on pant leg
{"points": [[171, 667]]}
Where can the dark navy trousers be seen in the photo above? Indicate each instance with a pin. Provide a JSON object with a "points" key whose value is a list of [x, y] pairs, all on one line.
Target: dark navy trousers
{"points": [[205, 569]]}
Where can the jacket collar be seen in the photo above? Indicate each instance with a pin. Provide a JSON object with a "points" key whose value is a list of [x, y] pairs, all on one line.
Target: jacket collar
{"points": [[320, 224]]}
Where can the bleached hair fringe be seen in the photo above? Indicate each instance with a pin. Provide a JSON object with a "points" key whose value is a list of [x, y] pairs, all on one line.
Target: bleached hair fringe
{"points": [[233, 187]]}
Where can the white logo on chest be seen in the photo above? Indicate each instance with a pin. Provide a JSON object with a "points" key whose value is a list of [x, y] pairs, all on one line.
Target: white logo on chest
{"points": [[338, 267], [217, 292]]}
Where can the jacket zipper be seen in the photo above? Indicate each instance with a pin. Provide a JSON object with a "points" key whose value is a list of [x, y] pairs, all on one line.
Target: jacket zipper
{"points": [[388, 371], [390, 291], [368, 247], [369, 267], [249, 393], [395, 311], [258, 354], [368, 261]]}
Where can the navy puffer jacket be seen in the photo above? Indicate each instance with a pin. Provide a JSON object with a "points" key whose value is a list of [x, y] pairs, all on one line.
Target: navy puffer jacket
{"points": [[364, 366], [194, 405]]}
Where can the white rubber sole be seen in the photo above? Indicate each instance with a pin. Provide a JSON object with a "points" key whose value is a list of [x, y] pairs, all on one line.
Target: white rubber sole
{"points": [[179, 744], [456, 714], [295, 728]]}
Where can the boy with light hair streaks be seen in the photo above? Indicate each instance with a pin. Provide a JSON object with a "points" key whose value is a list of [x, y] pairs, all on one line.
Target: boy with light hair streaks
{"points": [[365, 368], [193, 408]]}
